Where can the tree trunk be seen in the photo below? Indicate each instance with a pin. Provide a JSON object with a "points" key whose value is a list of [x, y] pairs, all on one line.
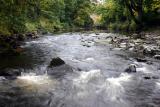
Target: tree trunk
{"points": [[136, 6], [140, 14]]}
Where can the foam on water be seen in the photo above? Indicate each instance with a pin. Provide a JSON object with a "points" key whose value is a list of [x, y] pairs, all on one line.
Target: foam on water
{"points": [[85, 77], [89, 59], [158, 84], [36, 83], [37, 80], [93, 84], [114, 86]]}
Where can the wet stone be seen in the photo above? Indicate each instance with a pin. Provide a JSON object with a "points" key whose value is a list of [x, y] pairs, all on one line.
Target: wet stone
{"points": [[86, 45], [155, 77], [147, 77], [10, 73], [56, 62], [141, 59], [79, 69], [157, 56], [151, 50], [123, 45], [135, 35], [97, 33], [131, 69], [32, 35], [149, 62]]}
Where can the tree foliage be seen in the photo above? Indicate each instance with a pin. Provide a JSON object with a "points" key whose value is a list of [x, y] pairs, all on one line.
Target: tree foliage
{"points": [[18, 16], [129, 13]]}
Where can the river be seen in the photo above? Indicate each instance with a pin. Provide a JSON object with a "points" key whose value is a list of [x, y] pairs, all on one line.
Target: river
{"points": [[97, 78]]}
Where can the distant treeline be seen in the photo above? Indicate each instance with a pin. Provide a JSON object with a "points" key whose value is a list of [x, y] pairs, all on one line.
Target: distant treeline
{"points": [[20, 16], [129, 15]]}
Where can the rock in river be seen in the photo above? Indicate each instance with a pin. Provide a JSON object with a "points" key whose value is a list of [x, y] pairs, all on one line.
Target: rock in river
{"points": [[157, 56], [141, 59], [147, 77], [56, 62], [10, 73], [155, 77], [151, 50], [58, 68], [131, 68]]}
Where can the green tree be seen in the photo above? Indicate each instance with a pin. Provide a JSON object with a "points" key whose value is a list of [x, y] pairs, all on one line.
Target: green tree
{"points": [[135, 8]]}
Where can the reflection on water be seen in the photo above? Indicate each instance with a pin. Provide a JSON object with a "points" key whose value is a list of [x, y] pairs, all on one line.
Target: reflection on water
{"points": [[97, 80]]}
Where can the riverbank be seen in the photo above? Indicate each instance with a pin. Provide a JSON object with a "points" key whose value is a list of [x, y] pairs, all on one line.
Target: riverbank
{"points": [[11, 45], [146, 43]]}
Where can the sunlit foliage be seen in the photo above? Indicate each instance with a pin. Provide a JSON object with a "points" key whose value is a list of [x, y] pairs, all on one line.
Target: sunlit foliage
{"points": [[18, 16], [129, 14]]}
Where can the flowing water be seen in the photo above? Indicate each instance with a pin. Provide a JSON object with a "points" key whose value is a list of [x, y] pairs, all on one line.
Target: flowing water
{"points": [[97, 78]]}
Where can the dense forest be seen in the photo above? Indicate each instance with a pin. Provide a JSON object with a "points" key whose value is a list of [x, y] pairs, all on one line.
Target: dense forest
{"points": [[129, 15], [20, 16]]}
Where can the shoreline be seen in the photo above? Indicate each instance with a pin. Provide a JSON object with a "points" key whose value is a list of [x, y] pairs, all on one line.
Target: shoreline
{"points": [[11, 44]]}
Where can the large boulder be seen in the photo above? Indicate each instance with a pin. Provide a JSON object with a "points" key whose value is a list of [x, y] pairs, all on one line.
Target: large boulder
{"points": [[58, 68], [56, 62], [131, 68]]}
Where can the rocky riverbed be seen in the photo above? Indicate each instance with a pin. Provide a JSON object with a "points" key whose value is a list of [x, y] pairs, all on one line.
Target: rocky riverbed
{"points": [[144, 44], [80, 70], [11, 45]]}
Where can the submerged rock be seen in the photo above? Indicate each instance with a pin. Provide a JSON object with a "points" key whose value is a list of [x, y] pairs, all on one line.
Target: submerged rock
{"points": [[147, 77], [56, 62], [141, 60], [87, 45], [155, 77], [59, 71], [10, 73], [157, 56], [131, 69]]}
